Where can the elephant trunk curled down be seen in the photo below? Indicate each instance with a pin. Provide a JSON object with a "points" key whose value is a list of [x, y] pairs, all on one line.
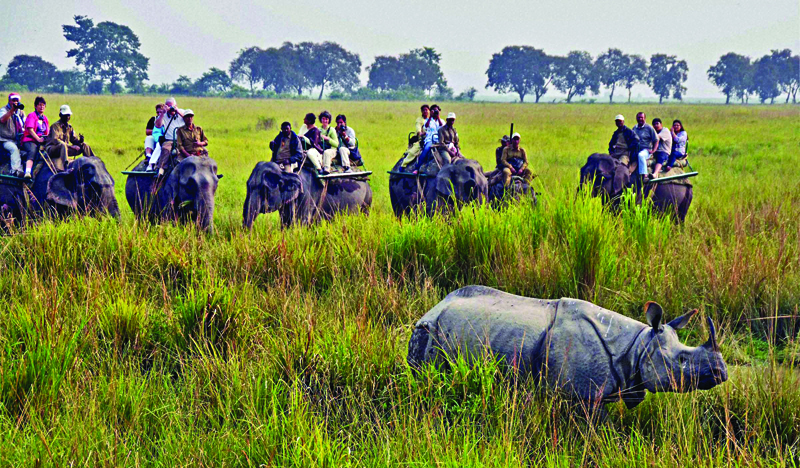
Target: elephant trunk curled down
{"points": [[187, 194], [300, 197]]}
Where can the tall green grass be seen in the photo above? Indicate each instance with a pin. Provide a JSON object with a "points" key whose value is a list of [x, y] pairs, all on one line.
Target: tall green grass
{"points": [[130, 344]]}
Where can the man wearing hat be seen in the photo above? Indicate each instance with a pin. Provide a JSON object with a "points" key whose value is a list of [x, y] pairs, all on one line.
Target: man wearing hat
{"points": [[62, 143], [624, 143], [448, 136], [190, 139], [514, 161], [12, 125], [498, 152]]}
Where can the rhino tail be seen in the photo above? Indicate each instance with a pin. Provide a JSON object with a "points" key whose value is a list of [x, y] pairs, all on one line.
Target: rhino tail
{"points": [[418, 346]]}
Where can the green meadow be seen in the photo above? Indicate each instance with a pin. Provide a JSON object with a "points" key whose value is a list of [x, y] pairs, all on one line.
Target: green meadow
{"points": [[131, 344]]}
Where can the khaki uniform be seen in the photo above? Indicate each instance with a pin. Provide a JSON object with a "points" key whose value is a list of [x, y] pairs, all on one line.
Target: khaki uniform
{"points": [[185, 138], [415, 149], [506, 159], [58, 142]]}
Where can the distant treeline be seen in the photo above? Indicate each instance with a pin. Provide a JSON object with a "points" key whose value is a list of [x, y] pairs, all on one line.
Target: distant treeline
{"points": [[108, 60]]}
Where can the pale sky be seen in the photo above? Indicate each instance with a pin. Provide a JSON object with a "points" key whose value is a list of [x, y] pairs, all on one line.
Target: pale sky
{"points": [[189, 37]]}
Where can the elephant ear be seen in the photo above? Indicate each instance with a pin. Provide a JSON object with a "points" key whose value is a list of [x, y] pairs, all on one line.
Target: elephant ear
{"points": [[291, 187], [61, 189], [444, 187]]}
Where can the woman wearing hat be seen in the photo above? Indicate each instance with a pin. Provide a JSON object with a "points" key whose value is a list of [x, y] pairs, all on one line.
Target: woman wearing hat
{"points": [[62, 143]]}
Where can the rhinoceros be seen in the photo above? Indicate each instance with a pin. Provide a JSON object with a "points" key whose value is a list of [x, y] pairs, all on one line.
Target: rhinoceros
{"points": [[593, 354]]}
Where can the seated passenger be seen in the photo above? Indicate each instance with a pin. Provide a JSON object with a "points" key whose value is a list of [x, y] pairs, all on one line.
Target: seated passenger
{"points": [[12, 125], [152, 144], [431, 129], [286, 148], [329, 140], [36, 129], [309, 134], [448, 137], [514, 161], [190, 140], [171, 120], [62, 145], [415, 148], [679, 141], [664, 148], [347, 142]]}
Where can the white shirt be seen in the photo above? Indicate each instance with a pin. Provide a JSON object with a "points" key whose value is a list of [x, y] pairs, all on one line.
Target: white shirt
{"points": [[177, 122], [432, 130]]}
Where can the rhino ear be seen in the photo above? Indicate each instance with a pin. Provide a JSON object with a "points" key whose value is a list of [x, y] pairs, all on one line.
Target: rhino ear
{"points": [[654, 312], [683, 320]]}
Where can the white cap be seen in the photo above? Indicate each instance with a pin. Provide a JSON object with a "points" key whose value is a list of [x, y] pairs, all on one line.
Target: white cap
{"points": [[516, 135], [451, 115], [65, 110], [188, 112], [619, 117]]}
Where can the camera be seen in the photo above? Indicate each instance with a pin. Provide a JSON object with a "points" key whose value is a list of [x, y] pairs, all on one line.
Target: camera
{"points": [[20, 106]]}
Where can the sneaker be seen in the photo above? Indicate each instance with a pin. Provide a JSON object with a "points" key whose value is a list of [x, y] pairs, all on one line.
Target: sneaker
{"points": [[28, 175], [415, 172], [324, 172], [150, 168], [347, 169]]}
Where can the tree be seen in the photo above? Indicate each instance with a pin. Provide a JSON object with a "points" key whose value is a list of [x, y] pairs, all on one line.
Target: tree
{"points": [[788, 69], [730, 74], [31, 71], [274, 68], [245, 68], [612, 67], [522, 70], [298, 63], [334, 66], [576, 74], [666, 76], [213, 81], [635, 73], [421, 69], [467, 95], [108, 51], [386, 73], [183, 85], [70, 81], [766, 79]]}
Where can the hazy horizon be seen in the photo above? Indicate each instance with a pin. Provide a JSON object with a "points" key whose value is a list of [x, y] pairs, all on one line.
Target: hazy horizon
{"points": [[189, 41]]}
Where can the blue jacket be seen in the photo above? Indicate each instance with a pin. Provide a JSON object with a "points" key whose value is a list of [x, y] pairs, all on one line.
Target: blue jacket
{"points": [[631, 139], [296, 156]]}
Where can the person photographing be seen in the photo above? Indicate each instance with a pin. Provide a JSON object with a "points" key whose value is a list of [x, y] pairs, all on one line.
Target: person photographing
{"points": [[12, 125]]}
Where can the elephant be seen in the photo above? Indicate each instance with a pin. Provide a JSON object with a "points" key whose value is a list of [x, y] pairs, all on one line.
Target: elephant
{"points": [[609, 178], [499, 193], [301, 197], [186, 194], [407, 192], [85, 187], [455, 184]]}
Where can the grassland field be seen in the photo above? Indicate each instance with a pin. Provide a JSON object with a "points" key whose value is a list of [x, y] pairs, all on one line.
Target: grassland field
{"points": [[131, 344]]}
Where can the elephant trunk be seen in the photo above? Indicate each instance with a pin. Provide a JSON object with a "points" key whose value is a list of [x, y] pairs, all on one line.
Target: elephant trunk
{"points": [[204, 204], [252, 207]]}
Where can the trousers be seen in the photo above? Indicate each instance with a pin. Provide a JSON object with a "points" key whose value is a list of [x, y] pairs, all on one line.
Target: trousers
{"points": [[58, 151], [13, 155], [642, 156]]}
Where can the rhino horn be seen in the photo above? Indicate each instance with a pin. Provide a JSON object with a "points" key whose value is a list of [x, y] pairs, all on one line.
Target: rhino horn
{"points": [[712, 336]]}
